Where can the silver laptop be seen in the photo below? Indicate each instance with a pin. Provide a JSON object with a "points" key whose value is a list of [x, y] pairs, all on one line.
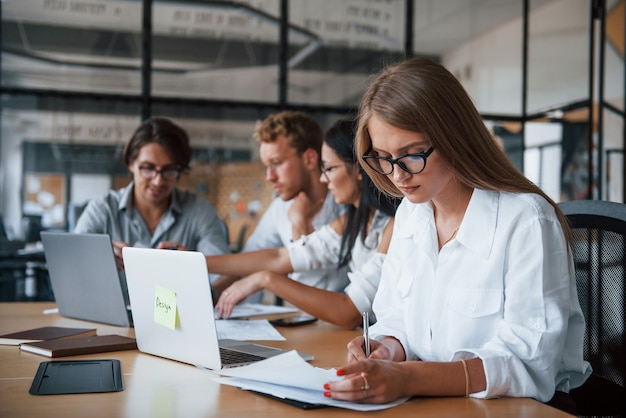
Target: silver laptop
{"points": [[170, 296], [84, 277]]}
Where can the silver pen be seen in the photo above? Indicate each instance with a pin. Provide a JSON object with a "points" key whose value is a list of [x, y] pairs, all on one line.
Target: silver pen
{"points": [[366, 326]]}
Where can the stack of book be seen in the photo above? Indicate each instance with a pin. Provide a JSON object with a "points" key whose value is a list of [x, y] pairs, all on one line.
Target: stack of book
{"points": [[61, 341]]}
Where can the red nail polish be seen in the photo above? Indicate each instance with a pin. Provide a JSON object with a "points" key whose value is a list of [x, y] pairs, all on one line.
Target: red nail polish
{"points": [[327, 394], [340, 372], [326, 386]]}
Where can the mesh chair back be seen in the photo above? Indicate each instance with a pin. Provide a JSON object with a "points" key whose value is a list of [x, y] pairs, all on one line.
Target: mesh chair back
{"points": [[599, 251]]}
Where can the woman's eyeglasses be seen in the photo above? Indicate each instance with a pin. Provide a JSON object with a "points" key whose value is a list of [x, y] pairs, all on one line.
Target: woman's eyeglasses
{"points": [[411, 163], [326, 170]]}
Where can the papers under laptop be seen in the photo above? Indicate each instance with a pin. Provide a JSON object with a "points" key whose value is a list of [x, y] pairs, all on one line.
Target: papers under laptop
{"points": [[170, 295], [247, 310], [84, 277]]}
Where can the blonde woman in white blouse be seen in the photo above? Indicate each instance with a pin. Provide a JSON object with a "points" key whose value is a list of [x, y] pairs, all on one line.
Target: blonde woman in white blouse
{"points": [[477, 295], [358, 239]]}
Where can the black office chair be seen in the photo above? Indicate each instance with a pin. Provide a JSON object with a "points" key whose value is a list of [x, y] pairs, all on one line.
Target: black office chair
{"points": [[599, 250]]}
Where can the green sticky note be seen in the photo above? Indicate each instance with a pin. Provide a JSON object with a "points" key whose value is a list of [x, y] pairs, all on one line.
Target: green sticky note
{"points": [[165, 309]]}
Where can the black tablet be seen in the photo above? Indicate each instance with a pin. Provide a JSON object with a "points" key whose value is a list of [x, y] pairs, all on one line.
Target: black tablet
{"points": [[77, 376]]}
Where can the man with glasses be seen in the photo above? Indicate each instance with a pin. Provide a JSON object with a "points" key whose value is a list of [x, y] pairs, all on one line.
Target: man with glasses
{"points": [[151, 211], [290, 149]]}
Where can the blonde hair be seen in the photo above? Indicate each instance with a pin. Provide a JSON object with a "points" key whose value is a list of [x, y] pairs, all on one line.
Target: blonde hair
{"points": [[420, 95]]}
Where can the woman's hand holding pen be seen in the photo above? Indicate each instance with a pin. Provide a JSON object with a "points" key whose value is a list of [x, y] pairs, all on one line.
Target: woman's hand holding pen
{"points": [[374, 379], [371, 381], [385, 350], [356, 349]]}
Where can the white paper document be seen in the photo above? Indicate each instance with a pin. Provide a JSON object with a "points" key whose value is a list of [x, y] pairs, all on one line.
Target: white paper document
{"points": [[245, 310], [287, 376], [247, 330]]}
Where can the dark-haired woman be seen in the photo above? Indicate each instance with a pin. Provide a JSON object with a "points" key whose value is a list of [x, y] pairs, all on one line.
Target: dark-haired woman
{"points": [[359, 239]]}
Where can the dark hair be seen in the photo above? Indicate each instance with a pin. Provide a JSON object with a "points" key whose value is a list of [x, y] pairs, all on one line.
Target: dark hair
{"points": [[340, 137], [164, 132]]}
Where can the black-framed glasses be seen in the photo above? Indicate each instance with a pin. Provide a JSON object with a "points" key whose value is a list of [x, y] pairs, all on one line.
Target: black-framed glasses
{"points": [[411, 163], [326, 170], [167, 173]]}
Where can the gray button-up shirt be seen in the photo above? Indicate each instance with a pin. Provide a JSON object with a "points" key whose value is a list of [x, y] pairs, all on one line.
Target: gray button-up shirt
{"points": [[190, 220]]}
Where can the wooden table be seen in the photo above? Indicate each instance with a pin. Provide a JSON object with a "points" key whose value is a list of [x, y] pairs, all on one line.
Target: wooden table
{"points": [[158, 387]]}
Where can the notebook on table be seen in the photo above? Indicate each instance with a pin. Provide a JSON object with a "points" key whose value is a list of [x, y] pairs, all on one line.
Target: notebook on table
{"points": [[170, 296], [84, 277]]}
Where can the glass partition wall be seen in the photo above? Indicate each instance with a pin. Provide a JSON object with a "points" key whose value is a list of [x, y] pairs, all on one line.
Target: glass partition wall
{"points": [[78, 76]]}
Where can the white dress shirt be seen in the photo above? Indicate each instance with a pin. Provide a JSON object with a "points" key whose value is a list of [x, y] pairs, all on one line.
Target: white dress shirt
{"points": [[321, 248], [274, 230], [503, 290]]}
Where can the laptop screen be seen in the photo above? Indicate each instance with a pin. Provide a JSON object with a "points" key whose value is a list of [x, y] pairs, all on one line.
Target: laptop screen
{"points": [[84, 277]]}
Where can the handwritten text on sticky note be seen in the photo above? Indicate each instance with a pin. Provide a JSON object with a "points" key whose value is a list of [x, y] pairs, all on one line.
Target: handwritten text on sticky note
{"points": [[165, 309]]}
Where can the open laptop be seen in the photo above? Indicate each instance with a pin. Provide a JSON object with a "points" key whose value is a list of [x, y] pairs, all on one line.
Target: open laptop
{"points": [[170, 296], [84, 277]]}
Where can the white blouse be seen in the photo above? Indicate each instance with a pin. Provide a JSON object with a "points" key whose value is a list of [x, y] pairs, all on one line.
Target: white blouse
{"points": [[274, 230], [503, 290], [321, 248]]}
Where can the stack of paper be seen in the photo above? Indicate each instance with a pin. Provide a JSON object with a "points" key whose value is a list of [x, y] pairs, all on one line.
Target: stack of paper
{"points": [[287, 376]]}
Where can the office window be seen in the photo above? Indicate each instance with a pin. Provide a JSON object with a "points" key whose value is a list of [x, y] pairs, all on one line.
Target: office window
{"points": [[67, 45], [615, 52], [509, 135], [341, 45], [480, 43], [543, 142], [216, 50], [71, 75], [613, 92], [613, 155], [558, 54]]}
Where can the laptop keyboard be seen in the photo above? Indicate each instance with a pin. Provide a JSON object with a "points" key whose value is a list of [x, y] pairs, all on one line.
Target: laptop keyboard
{"points": [[236, 357]]}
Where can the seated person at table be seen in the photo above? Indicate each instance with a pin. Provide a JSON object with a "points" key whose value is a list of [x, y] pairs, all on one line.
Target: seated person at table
{"points": [[290, 148], [477, 295], [358, 238], [151, 211]]}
